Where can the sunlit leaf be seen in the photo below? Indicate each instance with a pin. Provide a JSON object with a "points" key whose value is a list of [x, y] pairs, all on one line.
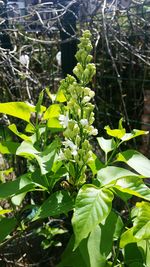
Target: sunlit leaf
{"points": [[95, 165], [141, 225], [133, 134], [54, 125], [13, 128], [8, 147], [10, 188], [19, 110], [52, 112], [135, 160], [111, 173], [133, 186], [58, 203], [127, 237], [60, 97], [106, 145], [118, 133], [4, 211], [45, 158], [92, 207]]}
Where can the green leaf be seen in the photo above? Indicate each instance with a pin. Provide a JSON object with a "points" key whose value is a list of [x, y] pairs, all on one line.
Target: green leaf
{"points": [[72, 258], [58, 203], [7, 225], [127, 237], [118, 133], [4, 211], [19, 110], [10, 188], [45, 158], [135, 160], [133, 186], [60, 97], [133, 134], [38, 107], [144, 247], [111, 173], [13, 128], [54, 125], [141, 225], [30, 128], [98, 246], [133, 256], [94, 243], [106, 145], [8, 147], [92, 207], [95, 165], [52, 112]]}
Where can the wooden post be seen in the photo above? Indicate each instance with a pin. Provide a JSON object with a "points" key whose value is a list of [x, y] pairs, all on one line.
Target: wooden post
{"points": [[68, 29]]}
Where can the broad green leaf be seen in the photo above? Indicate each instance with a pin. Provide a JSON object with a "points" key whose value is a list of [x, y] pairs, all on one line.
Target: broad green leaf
{"points": [[45, 159], [60, 97], [98, 246], [118, 133], [106, 145], [7, 225], [133, 134], [107, 233], [19, 110], [144, 246], [118, 228], [94, 243], [127, 237], [17, 199], [133, 186], [122, 195], [54, 125], [95, 165], [72, 258], [13, 128], [141, 225], [133, 256], [30, 128], [92, 207], [136, 161], [111, 173], [58, 203], [52, 112], [8, 147], [10, 188]]}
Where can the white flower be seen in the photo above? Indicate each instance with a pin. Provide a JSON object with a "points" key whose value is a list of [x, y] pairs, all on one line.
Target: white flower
{"points": [[93, 131], [86, 99], [84, 122], [72, 146], [61, 156], [64, 119], [91, 93]]}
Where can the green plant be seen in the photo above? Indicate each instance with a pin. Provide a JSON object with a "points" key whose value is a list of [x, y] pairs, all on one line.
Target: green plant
{"points": [[71, 180]]}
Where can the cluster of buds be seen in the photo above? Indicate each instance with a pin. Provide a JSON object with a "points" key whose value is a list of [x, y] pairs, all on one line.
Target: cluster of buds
{"points": [[78, 114]]}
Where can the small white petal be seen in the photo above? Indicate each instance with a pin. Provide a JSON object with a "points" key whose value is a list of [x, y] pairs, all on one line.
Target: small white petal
{"points": [[84, 122], [86, 99], [64, 120]]}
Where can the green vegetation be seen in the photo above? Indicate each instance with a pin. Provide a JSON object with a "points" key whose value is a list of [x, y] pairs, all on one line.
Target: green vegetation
{"points": [[73, 183]]}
